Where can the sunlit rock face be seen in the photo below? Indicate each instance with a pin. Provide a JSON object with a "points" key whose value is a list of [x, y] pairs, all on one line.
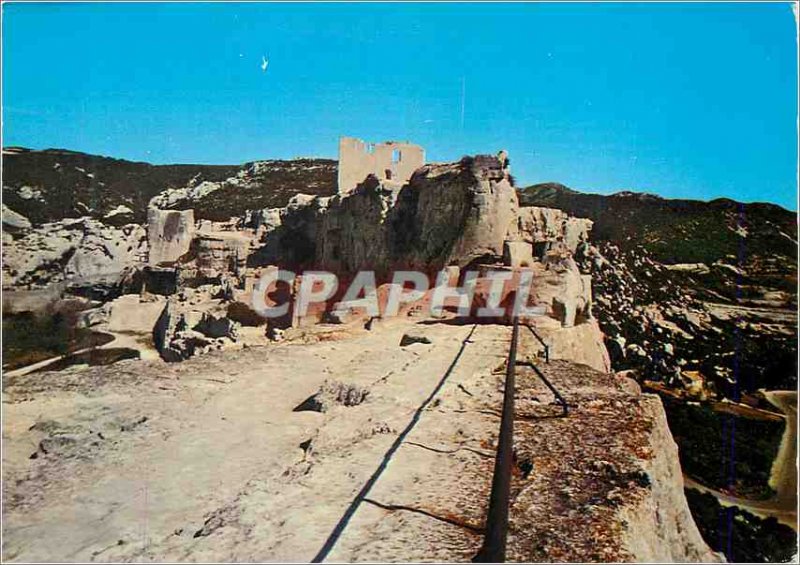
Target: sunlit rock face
{"points": [[447, 214], [169, 234], [79, 251]]}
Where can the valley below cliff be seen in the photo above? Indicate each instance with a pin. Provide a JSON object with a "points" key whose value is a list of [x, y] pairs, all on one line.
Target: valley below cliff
{"points": [[698, 302]]}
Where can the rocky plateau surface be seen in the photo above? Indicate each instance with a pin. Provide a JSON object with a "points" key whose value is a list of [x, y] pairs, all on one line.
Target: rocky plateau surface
{"points": [[256, 455], [233, 437]]}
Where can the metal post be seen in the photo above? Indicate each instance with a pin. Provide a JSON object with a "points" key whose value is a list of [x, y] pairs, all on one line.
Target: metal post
{"points": [[544, 344], [552, 388]]}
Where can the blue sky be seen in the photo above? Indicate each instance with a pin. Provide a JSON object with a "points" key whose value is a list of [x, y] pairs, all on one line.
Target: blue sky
{"points": [[682, 100]]}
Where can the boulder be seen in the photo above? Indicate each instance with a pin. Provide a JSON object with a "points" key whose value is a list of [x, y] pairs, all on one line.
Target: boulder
{"points": [[104, 253], [185, 344], [169, 234], [265, 220], [187, 195], [187, 326], [13, 220], [220, 252], [616, 348], [696, 268], [560, 285], [333, 393], [119, 212], [213, 326], [635, 351], [92, 317], [540, 225], [517, 254], [134, 313], [79, 252]]}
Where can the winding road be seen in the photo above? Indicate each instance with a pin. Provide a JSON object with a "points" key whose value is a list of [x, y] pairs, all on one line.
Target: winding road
{"points": [[783, 476]]}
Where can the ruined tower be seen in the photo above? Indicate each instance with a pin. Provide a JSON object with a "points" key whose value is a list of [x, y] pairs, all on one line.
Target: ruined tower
{"points": [[391, 161]]}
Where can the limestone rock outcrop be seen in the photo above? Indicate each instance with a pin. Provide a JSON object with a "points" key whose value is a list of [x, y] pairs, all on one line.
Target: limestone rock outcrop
{"points": [[218, 253], [169, 234], [446, 214], [184, 195], [104, 253], [606, 478], [455, 213], [560, 285], [351, 232], [79, 252], [664, 323], [660, 527], [193, 322], [14, 220], [548, 226]]}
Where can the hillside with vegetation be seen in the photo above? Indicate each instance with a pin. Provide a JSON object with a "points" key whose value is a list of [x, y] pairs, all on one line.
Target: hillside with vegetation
{"points": [[760, 237], [52, 184]]}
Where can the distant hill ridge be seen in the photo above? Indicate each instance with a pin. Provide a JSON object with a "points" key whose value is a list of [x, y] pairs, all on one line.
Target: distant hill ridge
{"points": [[552, 190], [51, 184], [758, 235]]}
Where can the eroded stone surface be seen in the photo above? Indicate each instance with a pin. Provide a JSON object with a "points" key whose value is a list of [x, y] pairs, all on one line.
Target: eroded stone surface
{"points": [[169, 234], [77, 251], [207, 461]]}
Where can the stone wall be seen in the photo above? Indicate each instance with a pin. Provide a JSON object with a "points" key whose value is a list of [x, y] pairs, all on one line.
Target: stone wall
{"points": [[390, 161]]}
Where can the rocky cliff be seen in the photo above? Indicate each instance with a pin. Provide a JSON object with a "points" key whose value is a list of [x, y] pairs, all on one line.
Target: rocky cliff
{"points": [[698, 302], [605, 483], [684, 231], [447, 214], [601, 484], [700, 296]]}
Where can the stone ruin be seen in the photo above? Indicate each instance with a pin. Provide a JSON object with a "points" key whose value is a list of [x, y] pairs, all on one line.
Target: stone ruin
{"points": [[391, 161], [456, 216]]}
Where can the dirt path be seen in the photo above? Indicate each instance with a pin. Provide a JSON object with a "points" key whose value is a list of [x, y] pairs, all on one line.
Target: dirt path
{"points": [[208, 461], [762, 508], [121, 340], [783, 477]]}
